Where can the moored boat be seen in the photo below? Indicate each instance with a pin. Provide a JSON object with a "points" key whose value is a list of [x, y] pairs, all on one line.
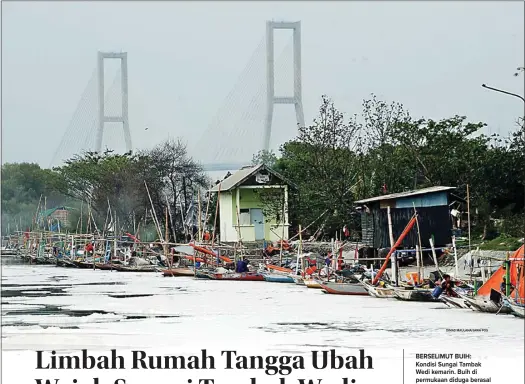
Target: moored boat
{"points": [[517, 310], [236, 276], [277, 278], [83, 264], [485, 304], [141, 268], [379, 292], [457, 302], [105, 266], [414, 294], [178, 272], [489, 298], [312, 283], [343, 288]]}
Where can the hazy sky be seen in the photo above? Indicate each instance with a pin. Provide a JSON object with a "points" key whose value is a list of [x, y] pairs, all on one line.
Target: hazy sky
{"points": [[184, 58]]}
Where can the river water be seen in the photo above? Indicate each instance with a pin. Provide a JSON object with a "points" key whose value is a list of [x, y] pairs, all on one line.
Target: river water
{"points": [[50, 308]]}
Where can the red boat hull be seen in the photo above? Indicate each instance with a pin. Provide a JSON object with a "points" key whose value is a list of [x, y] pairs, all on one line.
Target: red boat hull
{"points": [[237, 277]]}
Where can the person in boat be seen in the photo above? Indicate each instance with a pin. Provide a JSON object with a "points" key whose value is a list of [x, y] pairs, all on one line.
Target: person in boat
{"points": [[447, 286], [242, 266], [328, 260], [89, 248], [503, 286]]}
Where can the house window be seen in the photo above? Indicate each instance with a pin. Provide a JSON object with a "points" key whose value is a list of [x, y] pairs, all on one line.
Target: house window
{"points": [[244, 217]]}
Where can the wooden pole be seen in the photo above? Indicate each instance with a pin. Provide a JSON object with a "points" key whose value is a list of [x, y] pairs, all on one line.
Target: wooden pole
{"points": [[471, 261], [434, 256], [393, 263], [216, 214], [199, 216], [299, 251], [171, 220], [455, 256], [420, 265], [397, 244], [166, 235], [282, 237], [154, 214], [206, 214], [468, 215]]}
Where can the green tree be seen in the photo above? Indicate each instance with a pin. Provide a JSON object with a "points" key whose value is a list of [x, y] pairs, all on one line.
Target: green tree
{"points": [[265, 157]]}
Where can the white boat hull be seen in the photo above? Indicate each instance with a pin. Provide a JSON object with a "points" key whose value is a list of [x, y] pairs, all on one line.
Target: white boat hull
{"points": [[484, 304], [312, 284], [344, 289], [379, 292]]}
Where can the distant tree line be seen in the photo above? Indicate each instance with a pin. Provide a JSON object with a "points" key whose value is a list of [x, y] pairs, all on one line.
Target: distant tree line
{"points": [[111, 189], [333, 162], [336, 161]]}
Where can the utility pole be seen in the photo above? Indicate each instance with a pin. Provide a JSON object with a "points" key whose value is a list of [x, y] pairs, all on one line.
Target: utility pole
{"points": [[502, 91]]}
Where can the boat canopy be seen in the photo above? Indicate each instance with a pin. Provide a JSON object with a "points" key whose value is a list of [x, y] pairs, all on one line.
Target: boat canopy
{"points": [[516, 277]]}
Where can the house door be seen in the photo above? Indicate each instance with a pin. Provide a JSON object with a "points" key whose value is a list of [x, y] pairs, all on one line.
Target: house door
{"points": [[258, 222]]}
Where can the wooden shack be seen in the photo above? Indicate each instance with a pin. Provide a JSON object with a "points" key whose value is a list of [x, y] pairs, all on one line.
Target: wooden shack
{"points": [[432, 206]]}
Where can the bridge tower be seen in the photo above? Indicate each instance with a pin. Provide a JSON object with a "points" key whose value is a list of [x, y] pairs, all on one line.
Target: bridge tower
{"points": [[102, 117], [271, 100]]}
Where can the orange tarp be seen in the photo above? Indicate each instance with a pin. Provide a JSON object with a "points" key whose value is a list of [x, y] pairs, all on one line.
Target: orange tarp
{"points": [[196, 259], [516, 269], [280, 269]]}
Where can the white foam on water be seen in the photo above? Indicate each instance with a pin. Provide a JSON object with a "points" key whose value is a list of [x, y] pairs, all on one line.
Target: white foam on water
{"points": [[186, 314]]}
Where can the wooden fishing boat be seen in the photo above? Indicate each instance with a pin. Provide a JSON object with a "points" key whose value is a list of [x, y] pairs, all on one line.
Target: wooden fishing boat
{"points": [[343, 288], [66, 263], [277, 269], [202, 275], [298, 280], [457, 302], [413, 294], [141, 268], [277, 278], [516, 309], [489, 299], [106, 266], [486, 304], [83, 264], [379, 292], [312, 283], [237, 276], [178, 272]]}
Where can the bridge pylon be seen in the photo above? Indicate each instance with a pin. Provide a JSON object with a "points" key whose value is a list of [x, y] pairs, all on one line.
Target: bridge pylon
{"points": [[102, 117], [271, 99]]}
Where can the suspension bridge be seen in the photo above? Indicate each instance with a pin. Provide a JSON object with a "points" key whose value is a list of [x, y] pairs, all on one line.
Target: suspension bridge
{"points": [[242, 126]]}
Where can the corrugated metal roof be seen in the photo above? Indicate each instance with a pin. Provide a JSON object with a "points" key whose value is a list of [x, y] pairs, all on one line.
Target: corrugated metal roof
{"points": [[405, 194], [241, 175]]}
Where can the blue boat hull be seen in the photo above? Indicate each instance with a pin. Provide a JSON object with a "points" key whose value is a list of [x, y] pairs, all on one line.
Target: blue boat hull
{"points": [[278, 279]]}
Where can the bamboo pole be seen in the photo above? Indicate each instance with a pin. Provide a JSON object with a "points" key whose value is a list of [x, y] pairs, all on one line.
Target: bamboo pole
{"points": [[206, 214], [398, 242], [434, 256], [393, 263], [154, 214], [469, 243], [282, 237], [420, 265], [166, 235], [171, 219], [299, 251], [455, 256], [216, 214], [199, 216]]}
